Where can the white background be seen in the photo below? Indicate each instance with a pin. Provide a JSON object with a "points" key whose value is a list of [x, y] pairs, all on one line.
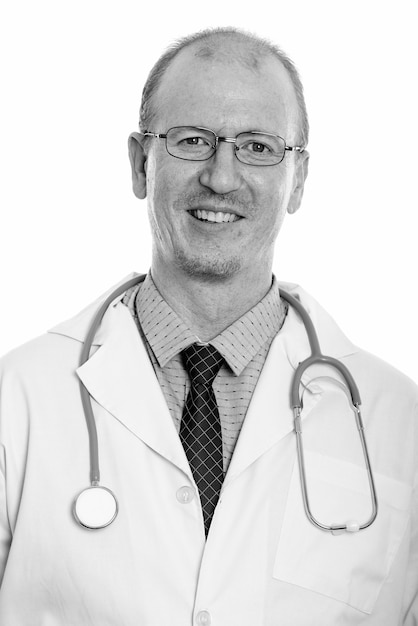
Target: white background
{"points": [[70, 227]]}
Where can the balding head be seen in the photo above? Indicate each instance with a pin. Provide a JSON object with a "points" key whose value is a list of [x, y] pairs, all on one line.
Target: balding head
{"points": [[231, 47], [226, 45]]}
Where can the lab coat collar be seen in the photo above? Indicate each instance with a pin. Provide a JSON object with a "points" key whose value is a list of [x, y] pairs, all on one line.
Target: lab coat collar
{"points": [[132, 394], [333, 342]]}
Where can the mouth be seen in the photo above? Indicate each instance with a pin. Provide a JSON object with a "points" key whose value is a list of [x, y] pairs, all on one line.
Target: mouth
{"points": [[218, 217]]}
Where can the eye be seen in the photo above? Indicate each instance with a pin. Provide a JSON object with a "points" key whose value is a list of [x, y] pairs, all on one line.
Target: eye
{"points": [[258, 147], [194, 141]]}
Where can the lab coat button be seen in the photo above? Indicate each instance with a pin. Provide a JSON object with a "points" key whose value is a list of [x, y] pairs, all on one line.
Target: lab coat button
{"points": [[186, 495], [203, 618]]}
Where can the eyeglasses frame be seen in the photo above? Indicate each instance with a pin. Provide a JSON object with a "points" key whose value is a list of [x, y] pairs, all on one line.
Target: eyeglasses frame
{"points": [[300, 149]]}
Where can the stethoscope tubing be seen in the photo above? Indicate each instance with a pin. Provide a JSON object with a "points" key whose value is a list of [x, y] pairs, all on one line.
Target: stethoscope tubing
{"points": [[315, 358], [85, 396], [296, 402]]}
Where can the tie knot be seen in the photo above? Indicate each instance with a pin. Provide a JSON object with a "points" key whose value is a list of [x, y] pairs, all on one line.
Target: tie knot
{"points": [[202, 363]]}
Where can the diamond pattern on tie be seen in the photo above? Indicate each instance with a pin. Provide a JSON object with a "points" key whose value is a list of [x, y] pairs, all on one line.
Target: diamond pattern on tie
{"points": [[200, 429]]}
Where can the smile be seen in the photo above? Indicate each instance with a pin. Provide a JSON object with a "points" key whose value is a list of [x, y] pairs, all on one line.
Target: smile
{"points": [[212, 216]]}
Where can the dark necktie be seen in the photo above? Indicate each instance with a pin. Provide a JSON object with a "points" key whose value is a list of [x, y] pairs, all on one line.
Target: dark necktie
{"points": [[200, 429]]}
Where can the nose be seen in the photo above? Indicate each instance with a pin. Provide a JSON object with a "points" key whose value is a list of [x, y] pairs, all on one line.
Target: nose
{"points": [[221, 173]]}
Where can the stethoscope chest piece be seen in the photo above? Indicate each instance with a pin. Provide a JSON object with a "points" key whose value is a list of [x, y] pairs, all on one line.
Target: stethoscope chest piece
{"points": [[95, 507]]}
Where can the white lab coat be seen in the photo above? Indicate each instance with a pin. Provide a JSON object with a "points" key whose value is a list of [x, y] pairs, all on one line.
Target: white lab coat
{"points": [[263, 564]]}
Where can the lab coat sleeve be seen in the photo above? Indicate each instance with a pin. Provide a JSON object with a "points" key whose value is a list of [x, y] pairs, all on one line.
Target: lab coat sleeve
{"points": [[9, 418], [411, 586], [4, 524]]}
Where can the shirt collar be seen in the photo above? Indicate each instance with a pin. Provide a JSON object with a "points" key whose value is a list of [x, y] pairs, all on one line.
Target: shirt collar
{"points": [[168, 335], [242, 340]]}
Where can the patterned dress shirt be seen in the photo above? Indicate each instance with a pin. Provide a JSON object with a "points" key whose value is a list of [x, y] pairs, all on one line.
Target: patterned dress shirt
{"points": [[244, 346]]}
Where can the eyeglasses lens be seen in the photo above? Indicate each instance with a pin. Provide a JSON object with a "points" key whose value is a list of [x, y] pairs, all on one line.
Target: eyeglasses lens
{"points": [[192, 144], [260, 148]]}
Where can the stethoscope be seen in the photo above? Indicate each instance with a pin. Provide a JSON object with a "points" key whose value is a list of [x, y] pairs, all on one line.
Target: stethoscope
{"points": [[96, 506]]}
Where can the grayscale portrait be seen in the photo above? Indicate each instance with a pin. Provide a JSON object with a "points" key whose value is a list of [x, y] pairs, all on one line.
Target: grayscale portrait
{"points": [[228, 433]]}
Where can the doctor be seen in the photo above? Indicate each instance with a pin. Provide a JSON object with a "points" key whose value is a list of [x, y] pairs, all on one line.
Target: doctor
{"points": [[211, 528]]}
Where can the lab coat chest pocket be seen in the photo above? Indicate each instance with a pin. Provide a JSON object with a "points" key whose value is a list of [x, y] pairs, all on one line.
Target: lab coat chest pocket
{"points": [[351, 567]]}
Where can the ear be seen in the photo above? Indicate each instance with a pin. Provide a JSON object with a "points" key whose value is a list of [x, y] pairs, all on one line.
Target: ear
{"points": [[301, 173], [138, 159]]}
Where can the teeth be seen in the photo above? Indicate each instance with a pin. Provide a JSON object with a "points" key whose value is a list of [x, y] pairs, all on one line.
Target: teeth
{"points": [[211, 216]]}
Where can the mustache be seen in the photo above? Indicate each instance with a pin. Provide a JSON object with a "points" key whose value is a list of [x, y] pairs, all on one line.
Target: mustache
{"points": [[224, 201]]}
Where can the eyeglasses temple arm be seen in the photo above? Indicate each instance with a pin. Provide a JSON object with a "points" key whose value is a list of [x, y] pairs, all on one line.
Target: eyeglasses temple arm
{"points": [[295, 148], [157, 135]]}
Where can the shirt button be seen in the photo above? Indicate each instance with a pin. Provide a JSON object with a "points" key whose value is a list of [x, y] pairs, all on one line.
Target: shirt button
{"points": [[203, 618], [185, 495]]}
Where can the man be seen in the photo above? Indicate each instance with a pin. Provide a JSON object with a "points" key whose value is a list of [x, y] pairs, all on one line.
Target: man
{"points": [[211, 527]]}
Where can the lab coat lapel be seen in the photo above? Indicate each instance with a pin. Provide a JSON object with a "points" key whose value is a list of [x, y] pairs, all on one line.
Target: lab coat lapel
{"points": [[270, 416], [120, 377]]}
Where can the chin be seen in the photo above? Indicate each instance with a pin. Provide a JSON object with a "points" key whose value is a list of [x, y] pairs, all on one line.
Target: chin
{"points": [[208, 269]]}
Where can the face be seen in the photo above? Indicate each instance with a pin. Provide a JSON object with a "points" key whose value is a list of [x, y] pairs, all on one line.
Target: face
{"points": [[184, 197]]}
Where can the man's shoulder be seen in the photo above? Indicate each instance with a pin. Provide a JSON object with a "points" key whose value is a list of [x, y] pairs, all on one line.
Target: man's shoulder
{"points": [[63, 339], [77, 326], [381, 375], [41, 353]]}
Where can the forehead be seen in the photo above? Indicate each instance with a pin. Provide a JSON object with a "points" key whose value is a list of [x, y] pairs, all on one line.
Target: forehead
{"points": [[226, 91]]}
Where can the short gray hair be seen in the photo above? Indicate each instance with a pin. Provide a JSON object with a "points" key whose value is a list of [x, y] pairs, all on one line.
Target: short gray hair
{"points": [[257, 47]]}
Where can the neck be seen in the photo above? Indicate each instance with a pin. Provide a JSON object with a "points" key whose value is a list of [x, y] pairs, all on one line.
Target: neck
{"points": [[208, 307]]}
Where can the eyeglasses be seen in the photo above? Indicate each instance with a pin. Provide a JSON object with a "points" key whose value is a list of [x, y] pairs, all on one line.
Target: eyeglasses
{"points": [[193, 143]]}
